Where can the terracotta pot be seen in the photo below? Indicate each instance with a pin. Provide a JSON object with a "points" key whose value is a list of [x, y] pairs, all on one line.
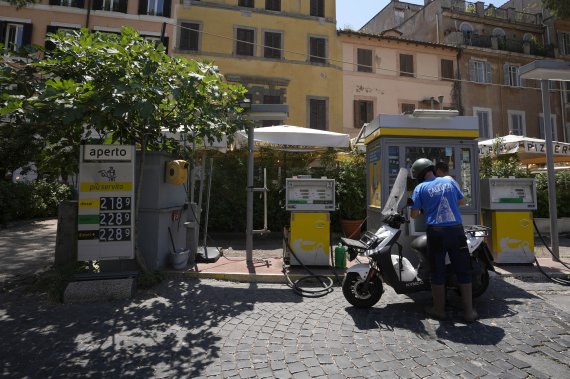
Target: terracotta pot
{"points": [[351, 228]]}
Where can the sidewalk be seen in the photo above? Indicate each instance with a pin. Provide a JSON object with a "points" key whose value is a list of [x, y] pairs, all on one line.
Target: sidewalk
{"points": [[27, 248]]}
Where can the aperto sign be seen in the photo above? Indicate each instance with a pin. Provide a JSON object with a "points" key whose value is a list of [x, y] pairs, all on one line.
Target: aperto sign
{"points": [[107, 153], [106, 202]]}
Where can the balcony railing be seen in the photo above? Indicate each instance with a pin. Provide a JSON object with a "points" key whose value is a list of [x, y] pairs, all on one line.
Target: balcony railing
{"points": [[504, 14]]}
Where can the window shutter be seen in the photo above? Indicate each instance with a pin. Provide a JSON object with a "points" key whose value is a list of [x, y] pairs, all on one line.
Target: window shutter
{"points": [[471, 70], [48, 44], [2, 31], [98, 5], [27, 35], [165, 42], [506, 76], [123, 4], [54, 2], [369, 112], [488, 72], [167, 9], [142, 6], [80, 4], [356, 113], [561, 46]]}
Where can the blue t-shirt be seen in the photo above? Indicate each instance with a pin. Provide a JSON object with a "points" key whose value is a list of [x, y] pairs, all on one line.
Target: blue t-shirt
{"points": [[438, 197]]}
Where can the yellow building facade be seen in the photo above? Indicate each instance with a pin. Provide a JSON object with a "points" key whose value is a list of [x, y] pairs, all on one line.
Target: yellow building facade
{"points": [[283, 52]]}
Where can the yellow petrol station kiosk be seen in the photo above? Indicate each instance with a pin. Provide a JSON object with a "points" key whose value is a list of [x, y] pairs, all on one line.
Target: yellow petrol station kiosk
{"points": [[396, 141], [507, 205]]}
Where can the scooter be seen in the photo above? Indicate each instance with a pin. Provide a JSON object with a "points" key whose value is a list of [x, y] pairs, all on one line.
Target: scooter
{"points": [[363, 283]]}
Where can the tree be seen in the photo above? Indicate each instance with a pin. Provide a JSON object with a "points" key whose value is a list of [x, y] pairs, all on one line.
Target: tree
{"points": [[121, 88], [561, 8]]}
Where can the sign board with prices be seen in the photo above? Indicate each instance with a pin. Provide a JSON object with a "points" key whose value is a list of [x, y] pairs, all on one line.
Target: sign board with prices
{"points": [[106, 202]]}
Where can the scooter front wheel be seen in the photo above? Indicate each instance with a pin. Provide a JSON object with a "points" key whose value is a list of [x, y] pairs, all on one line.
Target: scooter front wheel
{"points": [[354, 292]]}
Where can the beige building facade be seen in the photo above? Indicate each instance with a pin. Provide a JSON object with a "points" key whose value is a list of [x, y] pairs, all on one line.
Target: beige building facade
{"points": [[494, 43], [283, 52], [29, 25], [392, 75]]}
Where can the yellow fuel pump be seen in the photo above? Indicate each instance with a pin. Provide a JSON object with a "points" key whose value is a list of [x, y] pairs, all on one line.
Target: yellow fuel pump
{"points": [[310, 201], [507, 205]]}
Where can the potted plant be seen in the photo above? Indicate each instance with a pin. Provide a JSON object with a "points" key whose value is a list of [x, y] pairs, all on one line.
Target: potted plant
{"points": [[351, 193]]}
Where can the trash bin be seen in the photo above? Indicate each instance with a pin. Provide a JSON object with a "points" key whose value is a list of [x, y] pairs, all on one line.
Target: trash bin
{"points": [[180, 258]]}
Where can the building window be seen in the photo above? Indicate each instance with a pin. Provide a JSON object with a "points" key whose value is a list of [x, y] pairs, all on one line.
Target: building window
{"points": [[408, 108], [406, 65], [479, 71], [447, 71], [15, 35], [246, 3], [318, 114], [272, 45], [68, 3], [564, 43], [245, 42], [511, 73], [363, 112], [399, 16], [484, 120], [318, 8], [189, 36], [111, 5], [271, 99], [541, 131], [154, 7], [317, 50], [273, 5], [364, 60], [516, 123]]}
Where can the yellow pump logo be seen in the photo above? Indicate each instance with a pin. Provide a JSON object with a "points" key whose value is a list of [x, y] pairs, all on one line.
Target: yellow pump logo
{"points": [[176, 172]]}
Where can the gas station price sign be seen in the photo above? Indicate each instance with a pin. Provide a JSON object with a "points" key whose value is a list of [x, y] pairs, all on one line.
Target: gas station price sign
{"points": [[106, 202]]}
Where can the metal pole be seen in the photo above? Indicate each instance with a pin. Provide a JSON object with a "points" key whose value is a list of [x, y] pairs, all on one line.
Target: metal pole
{"points": [[550, 169], [249, 220]]}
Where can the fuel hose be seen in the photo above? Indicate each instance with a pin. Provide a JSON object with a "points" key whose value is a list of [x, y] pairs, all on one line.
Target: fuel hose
{"points": [[561, 281]]}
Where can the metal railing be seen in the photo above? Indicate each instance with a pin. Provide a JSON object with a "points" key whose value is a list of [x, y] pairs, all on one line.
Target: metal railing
{"points": [[514, 16]]}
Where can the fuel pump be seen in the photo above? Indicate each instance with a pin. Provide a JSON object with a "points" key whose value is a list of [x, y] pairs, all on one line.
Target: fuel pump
{"points": [[507, 204], [310, 201]]}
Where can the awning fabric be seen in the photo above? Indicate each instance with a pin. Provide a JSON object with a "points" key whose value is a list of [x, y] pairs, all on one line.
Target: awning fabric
{"points": [[529, 150]]}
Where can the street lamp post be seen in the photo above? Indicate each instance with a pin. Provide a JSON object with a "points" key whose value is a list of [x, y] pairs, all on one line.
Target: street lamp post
{"points": [[545, 70], [257, 112]]}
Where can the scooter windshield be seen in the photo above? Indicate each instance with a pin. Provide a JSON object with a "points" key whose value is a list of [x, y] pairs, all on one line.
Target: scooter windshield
{"points": [[396, 194]]}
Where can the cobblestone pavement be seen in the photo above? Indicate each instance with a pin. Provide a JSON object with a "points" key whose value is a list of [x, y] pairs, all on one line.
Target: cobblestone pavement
{"points": [[244, 330]]}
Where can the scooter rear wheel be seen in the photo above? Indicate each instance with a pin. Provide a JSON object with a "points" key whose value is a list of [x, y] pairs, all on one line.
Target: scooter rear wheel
{"points": [[352, 289], [481, 285]]}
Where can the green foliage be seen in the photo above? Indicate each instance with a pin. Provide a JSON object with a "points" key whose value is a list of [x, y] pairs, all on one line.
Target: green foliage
{"points": [[229, 181], [19, 4], [561, 8], [502, 165], [36, 200], [351, 186], [54, 282], [562, 184]]}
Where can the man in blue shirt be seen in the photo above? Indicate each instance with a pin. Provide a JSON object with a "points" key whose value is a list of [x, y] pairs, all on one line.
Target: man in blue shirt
{"points": [[439, 199]]}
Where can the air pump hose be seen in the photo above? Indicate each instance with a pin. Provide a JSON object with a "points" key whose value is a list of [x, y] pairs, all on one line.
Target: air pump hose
{"points": [[563, 282], [326, 282]]}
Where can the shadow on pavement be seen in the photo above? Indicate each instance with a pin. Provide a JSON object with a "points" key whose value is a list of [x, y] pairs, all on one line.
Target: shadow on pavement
{"points": [[498, 302], [169, 331]]}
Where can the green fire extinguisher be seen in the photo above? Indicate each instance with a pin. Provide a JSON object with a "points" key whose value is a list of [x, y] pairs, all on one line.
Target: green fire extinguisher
{"points": [[340, 256]]}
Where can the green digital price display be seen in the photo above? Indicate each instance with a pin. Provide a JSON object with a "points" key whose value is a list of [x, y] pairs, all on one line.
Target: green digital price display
{"points": [[114, 218]]}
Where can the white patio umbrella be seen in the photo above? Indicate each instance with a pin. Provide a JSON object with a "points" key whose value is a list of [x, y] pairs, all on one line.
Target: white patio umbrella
{"points": [[294, 138], [529, 150]]}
